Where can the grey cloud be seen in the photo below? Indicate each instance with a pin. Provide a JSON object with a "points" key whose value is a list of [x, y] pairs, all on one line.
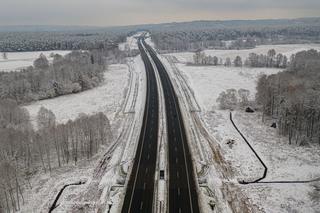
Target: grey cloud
{"points": [[121, 12]]}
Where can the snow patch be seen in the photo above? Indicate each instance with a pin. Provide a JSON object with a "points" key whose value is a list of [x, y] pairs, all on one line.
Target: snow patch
{"points": [[19, 60]]}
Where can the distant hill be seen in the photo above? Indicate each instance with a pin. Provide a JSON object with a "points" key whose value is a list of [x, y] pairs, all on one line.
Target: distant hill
{"points": [[236, 24], [202, 24]]}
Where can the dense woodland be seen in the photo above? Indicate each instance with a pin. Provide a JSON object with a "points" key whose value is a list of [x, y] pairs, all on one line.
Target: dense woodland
{"points": [[25, 151], [292, 98], [192, 36], [61, 40]]}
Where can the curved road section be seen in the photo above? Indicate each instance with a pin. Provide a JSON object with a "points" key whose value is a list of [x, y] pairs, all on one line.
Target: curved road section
{"points": [[183, 196], [140, 187]]}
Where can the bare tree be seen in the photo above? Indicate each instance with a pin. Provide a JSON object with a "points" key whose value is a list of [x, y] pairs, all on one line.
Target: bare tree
{"points": [[45, 118], [227, 63], [238, 61], [4, 55], [244, 96], [41, 62], [228, 99]]}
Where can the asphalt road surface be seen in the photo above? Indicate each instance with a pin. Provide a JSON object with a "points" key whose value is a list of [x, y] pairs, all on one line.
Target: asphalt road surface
{"points": [[140, 189], [183, 196]]}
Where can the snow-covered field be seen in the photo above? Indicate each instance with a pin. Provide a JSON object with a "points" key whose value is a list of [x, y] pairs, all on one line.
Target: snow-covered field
{"points": [[287, 49], [285, 162], [216, 79], [19, 60], [105, 98]]}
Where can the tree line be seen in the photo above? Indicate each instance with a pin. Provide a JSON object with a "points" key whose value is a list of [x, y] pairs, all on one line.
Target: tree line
{"points": [[24, 151], [271, 59], [59, 40], [292, 98], [75, 72], [231, 99]]}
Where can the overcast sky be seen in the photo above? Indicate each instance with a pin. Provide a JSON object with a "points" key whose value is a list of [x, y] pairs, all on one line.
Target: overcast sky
{"points": [[128, 12]]}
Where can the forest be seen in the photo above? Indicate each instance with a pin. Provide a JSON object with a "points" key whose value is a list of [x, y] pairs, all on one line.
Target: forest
{"points": [[292, 98], [192, 36], [60, 40], [25, 151]]}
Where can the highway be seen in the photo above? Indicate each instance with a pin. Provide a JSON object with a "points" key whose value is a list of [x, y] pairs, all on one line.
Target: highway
{"points": [[182, 186], [140, 187]]}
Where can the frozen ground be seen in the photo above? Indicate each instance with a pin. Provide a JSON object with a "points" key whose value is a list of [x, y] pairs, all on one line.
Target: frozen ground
{"points": [[19, 60], [287, 49], [216, 79], [237, 162], [105, 98]]}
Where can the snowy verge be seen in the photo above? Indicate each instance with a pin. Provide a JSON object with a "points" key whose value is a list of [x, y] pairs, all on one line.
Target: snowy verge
{"points": [[211, 188], [128, 139]]}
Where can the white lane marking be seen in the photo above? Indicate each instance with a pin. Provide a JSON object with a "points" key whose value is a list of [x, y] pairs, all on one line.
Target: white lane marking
{"points": [[141, 205], [178, 191], [144, 185]]}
